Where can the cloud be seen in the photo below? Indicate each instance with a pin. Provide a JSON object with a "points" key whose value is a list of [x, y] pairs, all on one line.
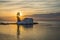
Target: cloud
{"points": [[4, 1], [36, 5]]}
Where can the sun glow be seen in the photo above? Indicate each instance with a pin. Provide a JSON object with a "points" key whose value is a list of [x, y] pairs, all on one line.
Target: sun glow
{"points": [[21, 13]]}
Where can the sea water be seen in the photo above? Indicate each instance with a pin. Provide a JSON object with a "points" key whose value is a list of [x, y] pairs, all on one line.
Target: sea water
{"points": [[45, 30]]}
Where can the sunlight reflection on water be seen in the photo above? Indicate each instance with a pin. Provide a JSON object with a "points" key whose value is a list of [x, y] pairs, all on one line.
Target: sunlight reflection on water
{"points": [[42, 31]]}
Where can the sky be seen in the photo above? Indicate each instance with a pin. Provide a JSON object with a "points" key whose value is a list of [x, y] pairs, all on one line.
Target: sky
{"points": [[28, 7]]}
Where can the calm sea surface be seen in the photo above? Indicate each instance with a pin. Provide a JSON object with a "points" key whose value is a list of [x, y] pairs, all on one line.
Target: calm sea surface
{"points": [[45, 30]]}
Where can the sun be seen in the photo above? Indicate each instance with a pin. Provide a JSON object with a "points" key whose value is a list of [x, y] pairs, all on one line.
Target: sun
{"points": [[21, 13]]}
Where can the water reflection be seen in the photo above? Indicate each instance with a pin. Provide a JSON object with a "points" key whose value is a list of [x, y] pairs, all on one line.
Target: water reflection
{"points": [[28, 26], [18, 32], [18, 29], [43, 31]]}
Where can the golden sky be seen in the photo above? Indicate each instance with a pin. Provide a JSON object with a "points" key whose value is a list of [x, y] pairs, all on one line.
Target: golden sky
{"points": [[28, 7]]}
